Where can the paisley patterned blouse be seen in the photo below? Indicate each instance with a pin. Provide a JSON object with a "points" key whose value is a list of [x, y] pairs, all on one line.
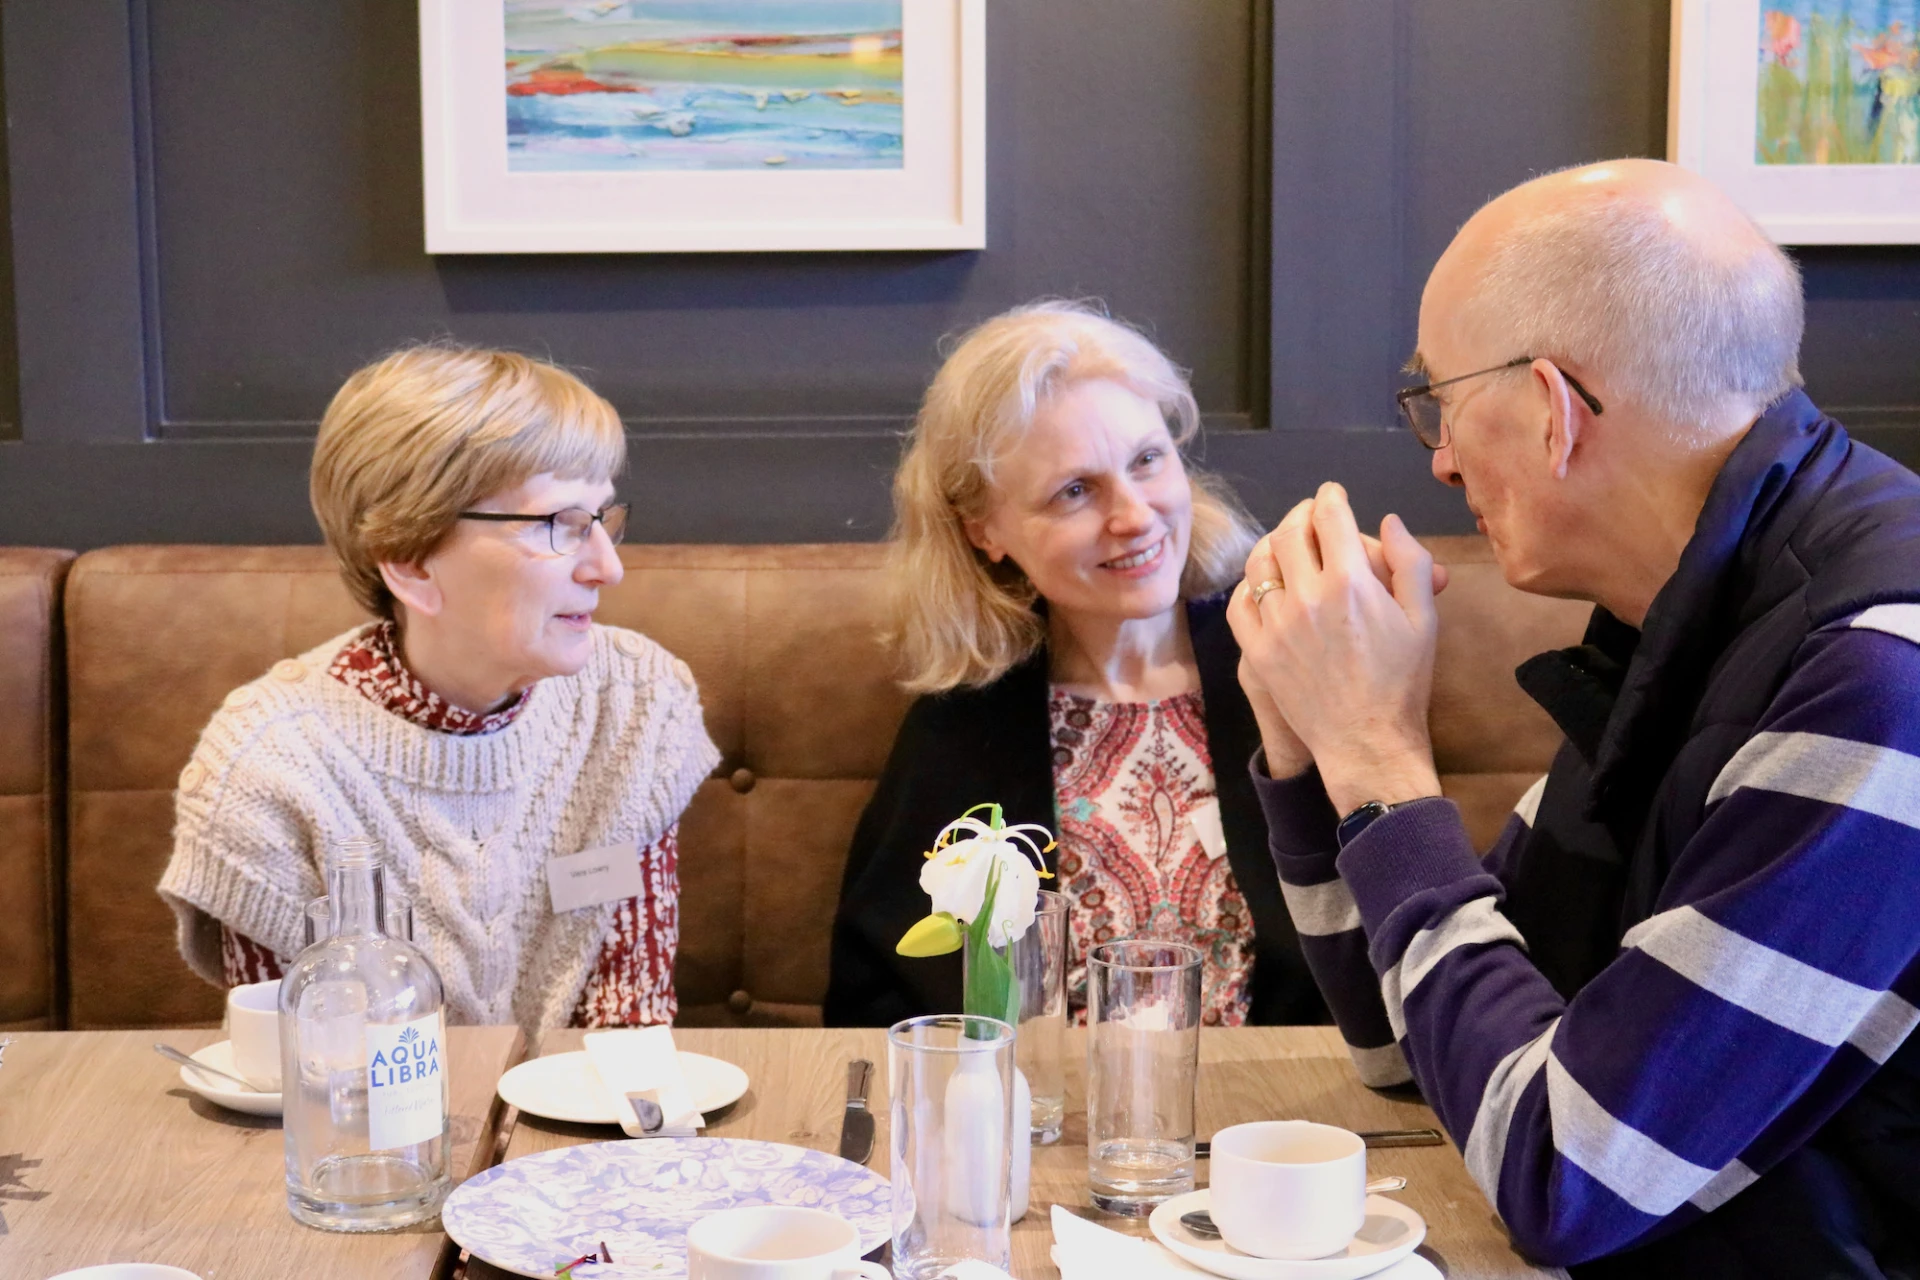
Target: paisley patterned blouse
{"points": [[1133, 787], [632, 980]]}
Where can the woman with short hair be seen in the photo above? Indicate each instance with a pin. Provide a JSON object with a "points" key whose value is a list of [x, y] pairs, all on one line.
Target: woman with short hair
{"points": [[1057, 576], [482, 725]]}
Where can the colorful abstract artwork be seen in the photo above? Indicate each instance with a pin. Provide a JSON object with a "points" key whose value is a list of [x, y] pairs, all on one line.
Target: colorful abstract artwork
{"points": [[618, 85], [1839, 83]]}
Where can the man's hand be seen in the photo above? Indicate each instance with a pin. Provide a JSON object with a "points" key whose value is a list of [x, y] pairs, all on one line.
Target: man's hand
{"points": [[1343, 650], [1287, 756]]}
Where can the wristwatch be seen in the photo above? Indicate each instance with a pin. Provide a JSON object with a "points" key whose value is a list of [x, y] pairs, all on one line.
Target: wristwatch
{"points": [[1365, 816]]}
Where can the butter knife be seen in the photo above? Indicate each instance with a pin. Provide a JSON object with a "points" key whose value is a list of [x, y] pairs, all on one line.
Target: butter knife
{"points": [[856, 1122], [1203, 1149]]}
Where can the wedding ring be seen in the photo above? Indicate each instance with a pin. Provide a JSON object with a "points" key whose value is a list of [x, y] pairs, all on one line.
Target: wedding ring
{"points": [[1261, 588]]}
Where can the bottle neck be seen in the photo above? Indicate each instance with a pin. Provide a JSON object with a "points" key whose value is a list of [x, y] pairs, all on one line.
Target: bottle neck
{"points": [[357, 893]]}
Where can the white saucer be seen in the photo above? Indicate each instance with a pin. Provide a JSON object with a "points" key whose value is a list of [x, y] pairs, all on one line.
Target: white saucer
{"points": [[1390, 1233], [564, 1086], [219, 1056]]}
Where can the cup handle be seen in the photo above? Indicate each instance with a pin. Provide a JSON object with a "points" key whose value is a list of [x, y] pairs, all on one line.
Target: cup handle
{"points": [[863, 1271]]}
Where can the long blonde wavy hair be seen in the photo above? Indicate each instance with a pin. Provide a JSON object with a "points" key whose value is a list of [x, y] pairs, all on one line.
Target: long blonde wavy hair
{"points": [[956, 618]]}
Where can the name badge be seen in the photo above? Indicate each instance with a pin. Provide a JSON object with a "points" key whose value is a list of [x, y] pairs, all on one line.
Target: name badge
{"points": [[1205, 820], [588, 879]]}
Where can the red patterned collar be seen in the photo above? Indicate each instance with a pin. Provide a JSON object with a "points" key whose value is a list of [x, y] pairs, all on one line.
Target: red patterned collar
{"points": [[370, 665]]}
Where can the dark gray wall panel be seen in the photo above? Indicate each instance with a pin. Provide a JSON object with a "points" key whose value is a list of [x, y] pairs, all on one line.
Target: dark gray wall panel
{"points": [[1336, 231], [216, 215], [288, 211], [1863, 330], [9, 361], [73, 156]]}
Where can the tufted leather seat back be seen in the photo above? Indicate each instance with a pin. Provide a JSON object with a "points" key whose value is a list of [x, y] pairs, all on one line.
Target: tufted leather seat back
{"points": [[797, 694], [30, 757]]}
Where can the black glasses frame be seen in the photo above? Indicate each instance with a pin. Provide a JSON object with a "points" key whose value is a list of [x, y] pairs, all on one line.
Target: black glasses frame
{"points": [[1405, 398], [551, 520]]}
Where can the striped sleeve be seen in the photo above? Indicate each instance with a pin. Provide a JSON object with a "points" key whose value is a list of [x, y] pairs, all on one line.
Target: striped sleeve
{"points": [[1782, 960], [1301, 830]]}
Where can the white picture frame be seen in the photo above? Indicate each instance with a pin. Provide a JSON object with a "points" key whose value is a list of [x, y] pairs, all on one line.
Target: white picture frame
{"points": [[1721, 49], [475, 203]]}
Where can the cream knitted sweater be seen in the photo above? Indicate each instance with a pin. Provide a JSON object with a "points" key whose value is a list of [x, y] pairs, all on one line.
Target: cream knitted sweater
{"points": [[295, 760]]}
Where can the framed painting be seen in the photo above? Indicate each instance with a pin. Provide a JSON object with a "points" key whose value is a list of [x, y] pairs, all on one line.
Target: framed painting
{"points": [[655, 126], [1806, 111]]}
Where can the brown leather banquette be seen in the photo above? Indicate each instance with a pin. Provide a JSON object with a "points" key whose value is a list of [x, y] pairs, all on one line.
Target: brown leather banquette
{"points": [[31, 732], [797, 695]]}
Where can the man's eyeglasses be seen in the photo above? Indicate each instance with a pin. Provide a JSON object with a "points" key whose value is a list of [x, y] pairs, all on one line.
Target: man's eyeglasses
{"points": [[568, 530], [1427, 416]]}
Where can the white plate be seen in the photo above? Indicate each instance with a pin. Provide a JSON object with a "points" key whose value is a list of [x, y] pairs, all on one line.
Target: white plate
{"points": [[1390, 1233], [219, 1056], [530, 1215], [564, 1086]]}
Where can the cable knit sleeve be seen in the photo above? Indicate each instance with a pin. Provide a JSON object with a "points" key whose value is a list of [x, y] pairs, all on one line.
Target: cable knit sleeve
{"points": [[675, 753], [241, 843]]}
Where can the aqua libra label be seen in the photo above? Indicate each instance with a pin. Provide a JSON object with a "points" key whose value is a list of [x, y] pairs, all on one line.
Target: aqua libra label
{"points": [[406, 1083]]}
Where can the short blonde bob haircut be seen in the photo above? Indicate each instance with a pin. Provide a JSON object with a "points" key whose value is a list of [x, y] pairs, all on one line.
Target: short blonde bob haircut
{"points": [[411, 441], [957, 618]]}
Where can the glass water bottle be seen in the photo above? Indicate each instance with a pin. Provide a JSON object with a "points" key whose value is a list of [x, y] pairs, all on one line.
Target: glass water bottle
{"points": [[363, 1064]]}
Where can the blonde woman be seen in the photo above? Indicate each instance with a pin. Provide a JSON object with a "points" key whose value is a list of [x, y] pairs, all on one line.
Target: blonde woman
{"points": [[480, 726], [1058, 579]]}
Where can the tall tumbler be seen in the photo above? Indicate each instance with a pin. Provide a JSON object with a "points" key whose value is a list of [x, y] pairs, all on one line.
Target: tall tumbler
{"points": [[951, 1078], [1143, 1061], [400, 921], [1039, 960]]}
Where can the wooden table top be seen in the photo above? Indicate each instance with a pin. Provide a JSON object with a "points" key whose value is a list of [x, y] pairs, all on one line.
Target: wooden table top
{"points": [[106, 1157], [798, 1087]]}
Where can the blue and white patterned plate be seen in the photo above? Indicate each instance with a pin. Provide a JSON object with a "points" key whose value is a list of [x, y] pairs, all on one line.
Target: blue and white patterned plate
{"points": [[534, 1214]]}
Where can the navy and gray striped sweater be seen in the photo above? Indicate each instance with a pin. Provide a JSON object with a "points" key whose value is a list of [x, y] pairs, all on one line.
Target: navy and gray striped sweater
{"points": [[1656, 1015]]}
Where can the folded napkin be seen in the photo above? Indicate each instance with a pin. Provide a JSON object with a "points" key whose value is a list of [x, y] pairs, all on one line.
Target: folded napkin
{"points": [[642, 1062], [1088, 1251]]}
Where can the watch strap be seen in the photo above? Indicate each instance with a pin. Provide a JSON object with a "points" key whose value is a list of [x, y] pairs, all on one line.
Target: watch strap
{"points": [[1365, 816]]}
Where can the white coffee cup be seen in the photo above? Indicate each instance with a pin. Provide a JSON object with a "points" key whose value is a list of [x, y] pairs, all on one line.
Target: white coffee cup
{"points": [[253, 1025], [775, 1242], [1288, 1188]]}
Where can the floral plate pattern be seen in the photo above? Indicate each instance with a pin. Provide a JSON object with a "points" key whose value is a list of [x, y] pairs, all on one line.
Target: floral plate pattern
{"points": [[532, 1215]]}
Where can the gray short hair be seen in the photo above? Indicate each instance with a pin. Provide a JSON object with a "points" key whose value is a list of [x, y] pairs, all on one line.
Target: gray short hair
{"points": [[1685, 328]]}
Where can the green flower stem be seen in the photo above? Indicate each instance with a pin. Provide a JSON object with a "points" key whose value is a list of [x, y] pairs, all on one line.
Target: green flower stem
{"points": [[990, 989]]}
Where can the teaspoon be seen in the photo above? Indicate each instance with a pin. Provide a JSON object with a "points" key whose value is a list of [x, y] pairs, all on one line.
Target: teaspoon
{"points": [[172, 1054]]}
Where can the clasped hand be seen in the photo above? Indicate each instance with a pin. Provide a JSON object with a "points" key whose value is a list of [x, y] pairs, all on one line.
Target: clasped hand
{"points": [[1338, 659]]}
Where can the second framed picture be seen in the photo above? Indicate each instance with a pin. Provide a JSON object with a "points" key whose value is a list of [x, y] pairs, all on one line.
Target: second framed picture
{"points": [[633, 126], [1806, 111]]}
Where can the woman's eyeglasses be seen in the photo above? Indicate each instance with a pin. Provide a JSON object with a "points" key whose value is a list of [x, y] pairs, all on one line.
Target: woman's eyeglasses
{"points": [[568, 530], [1423, 411]]}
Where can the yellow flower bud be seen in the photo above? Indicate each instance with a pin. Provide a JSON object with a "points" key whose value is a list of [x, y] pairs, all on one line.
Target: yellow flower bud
{"points": [[937, 935]]}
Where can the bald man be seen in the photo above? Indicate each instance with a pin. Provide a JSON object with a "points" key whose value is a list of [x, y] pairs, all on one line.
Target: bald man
{"points": [[1667, 1017]]}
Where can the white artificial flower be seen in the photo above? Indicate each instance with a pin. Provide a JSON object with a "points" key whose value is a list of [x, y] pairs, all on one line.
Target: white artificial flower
{"points": [[955, 876]]}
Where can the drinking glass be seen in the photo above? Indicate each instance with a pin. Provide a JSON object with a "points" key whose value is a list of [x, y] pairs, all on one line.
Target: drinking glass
{"points": [[1039, 960], [1143, 1059], [951, 1078], [318, 919], [399, 917]]}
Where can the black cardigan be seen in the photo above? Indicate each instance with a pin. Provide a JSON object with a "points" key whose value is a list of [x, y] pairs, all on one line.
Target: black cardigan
{"points": [[972, 746]]}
